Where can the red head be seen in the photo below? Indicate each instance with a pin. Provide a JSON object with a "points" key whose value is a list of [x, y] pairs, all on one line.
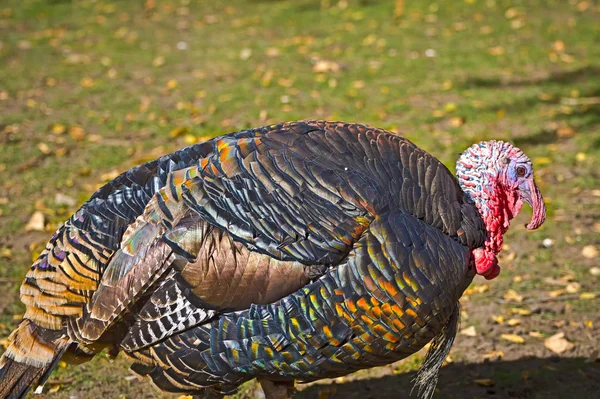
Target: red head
{"points": [[498, 177]]}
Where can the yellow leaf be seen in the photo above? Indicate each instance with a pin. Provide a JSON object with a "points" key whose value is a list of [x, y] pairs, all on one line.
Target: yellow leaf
{"points": [[57, 128], [513, 322], [514, 338], [556, 293], [76, 132], [558, 46], [87, 82], [457, 121], [589, 324], [542, 161], [450, 107], [171, 84], [512, 296], [493, 355], [54, 389], [5, 253], [190, 139], [587, 295], [536, 334], [178, 131]]}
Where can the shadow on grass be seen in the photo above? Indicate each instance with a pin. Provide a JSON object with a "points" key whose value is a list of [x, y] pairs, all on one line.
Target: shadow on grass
{"points": [[581, 112], [567, 77], [530, 378]]}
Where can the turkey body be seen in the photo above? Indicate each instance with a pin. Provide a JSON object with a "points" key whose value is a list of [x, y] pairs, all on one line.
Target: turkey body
{"points": [[298, 251]]}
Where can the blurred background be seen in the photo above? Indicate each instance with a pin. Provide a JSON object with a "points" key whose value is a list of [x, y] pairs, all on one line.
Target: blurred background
{"points": [[91, 88]]}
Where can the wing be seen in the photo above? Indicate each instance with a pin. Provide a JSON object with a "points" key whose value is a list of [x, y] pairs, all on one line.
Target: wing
{"points": [[249, 223]]}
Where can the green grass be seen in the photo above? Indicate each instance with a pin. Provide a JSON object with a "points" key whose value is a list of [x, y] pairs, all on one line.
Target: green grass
{"points": [[524, 71]]}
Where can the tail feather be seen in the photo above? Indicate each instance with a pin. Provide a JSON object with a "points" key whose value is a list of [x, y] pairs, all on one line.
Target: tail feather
{"points": [[17, 377], [427, 376]]}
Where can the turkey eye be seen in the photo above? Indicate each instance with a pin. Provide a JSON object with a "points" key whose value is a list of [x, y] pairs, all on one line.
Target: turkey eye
{"points": [[521, 171]]}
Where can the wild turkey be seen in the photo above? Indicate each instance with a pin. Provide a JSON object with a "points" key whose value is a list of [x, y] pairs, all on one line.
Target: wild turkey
{"points": [[297, 251]]}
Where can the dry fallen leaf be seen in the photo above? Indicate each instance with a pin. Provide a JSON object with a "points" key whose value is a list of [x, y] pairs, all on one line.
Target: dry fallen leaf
{"points": [[513, 322], [589, 251], [44, 149], [323, 66], [493, 355], [87, 82], [513, 338], [469, 331], [245, 54], [556, 293], [57, 128], [587, 295], [520, 311], [480, 288], [158, 61], [536, 334], [573, 288], [558, 46], [36, 222], [542, 160], [178, 131], [565, 132], [558, 344], [457, 121], [589, 324], [171, 84], [6, 253], [54, 389], [497, 50], [76, 132], [513, 296]]}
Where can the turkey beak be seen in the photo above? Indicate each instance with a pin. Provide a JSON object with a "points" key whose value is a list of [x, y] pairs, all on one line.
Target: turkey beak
{"points": [[531, 194]]}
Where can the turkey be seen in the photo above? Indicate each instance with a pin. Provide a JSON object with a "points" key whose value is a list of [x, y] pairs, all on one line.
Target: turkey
{"points": [[289, 252]]}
